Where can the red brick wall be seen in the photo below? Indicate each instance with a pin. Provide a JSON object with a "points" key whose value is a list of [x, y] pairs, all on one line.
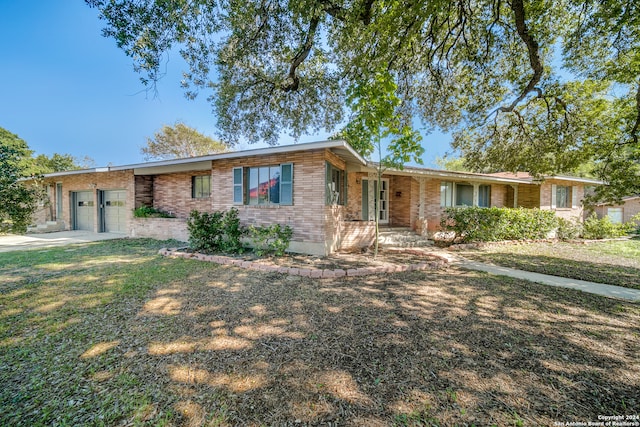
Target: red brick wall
{"points": [[400, 203], [172, 193], [307, 214]]}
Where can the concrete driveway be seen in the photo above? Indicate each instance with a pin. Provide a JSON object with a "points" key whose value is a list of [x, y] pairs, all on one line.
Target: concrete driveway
{"points": [[12, 242]]}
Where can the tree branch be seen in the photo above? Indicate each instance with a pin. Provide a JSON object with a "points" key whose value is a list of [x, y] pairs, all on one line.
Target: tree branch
{"points": [[636, 126], [293, 81], [533, 49]]}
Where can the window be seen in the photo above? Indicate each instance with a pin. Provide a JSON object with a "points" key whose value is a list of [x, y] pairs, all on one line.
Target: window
{"points": [[563, 196], [336, 188], [446, 193], [238, 196], [263, 185], [201, 186], [484, 196], [615, 215], [464, 195]]}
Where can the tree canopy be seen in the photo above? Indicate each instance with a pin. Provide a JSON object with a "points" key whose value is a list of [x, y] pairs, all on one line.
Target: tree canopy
{"points": [[43, 164], [18, 199], [536, 85], [178, 141]]}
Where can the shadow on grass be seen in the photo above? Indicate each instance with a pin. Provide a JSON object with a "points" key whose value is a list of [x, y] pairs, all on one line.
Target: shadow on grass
{"points": [[198, 344], [612, 274]]}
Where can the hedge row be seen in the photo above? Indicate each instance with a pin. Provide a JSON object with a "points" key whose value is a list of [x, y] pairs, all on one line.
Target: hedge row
{"points": [[474, 224]]}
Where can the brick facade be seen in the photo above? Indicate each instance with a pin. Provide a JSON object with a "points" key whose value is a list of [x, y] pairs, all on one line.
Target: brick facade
{"points": [[173, 193], [630, 208], [93, 182], [575, 211], [414, 199]]}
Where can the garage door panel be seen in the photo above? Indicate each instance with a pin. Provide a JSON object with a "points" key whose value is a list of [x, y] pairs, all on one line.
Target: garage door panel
{"points": [[84, 207], [115, 210]]}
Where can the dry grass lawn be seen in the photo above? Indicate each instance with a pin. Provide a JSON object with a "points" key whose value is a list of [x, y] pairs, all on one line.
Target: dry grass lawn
{"points": [[112, 334]]}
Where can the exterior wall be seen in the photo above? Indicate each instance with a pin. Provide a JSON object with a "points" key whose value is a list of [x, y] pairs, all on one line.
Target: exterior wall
{"points": [[356, 235], [575, 212], [94, 182], [307, 214], [529, 196], [630, 208], [144, 190], [400, 203], [432, 209], [160, 228], [172, 193], [499, 196], [354, 195]]}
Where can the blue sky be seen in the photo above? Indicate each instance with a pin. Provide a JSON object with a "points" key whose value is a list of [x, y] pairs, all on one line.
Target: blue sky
{"points": [[64, 88]]}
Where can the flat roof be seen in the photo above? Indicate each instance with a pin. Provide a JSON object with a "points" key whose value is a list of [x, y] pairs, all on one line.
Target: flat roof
{"points": [[339, 146]]}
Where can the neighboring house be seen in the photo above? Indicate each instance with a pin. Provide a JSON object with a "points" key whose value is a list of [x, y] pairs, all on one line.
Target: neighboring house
{"points": [[323, 190], [621, 213]]}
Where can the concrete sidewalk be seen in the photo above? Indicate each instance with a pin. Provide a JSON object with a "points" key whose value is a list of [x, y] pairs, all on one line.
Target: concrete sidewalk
{"points": [[13, 242], [610, 291]]}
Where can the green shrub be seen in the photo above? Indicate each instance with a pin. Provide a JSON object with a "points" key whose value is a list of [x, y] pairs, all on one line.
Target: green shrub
{"points": [[603, 228], [270, 239], [475, 224], [568, 230], [215, 232], [150, 212]]}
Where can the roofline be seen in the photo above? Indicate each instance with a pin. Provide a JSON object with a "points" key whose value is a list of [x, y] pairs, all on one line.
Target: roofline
{"points": [[412, 170], [318, 145], [576, 179]]}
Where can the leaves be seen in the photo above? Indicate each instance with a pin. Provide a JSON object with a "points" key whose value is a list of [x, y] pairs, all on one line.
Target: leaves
{"points": [[180, 141], [537, 85]]}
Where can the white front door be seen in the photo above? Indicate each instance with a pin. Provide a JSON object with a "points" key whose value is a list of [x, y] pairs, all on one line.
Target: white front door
{"points": [[383, 209]]}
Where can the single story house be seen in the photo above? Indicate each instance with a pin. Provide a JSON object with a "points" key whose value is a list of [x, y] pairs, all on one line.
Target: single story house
{"points": [[621, 213], [323, 190]]}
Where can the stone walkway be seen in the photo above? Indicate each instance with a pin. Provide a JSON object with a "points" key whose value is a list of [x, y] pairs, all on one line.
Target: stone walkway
{"points": [[610, 291]]}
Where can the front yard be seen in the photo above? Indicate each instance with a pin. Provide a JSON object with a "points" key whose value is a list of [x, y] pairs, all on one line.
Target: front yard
{"points": [[113, 334], [614, 262]]}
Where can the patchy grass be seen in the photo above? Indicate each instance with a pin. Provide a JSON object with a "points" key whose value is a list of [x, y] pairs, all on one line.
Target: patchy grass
{"points": [[110, 333], [611, 262]]}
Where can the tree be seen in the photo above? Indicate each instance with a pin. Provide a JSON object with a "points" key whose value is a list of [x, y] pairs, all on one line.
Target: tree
{"points": [[180, 141], [377, 130], [534, 85], [19, 200], [42, 164], [456, 164]]}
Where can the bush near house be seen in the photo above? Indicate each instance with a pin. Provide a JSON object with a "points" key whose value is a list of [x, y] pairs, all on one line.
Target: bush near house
{"points": [[150, 212], [220, 231], [217, 231], [475, 224], [603, 228]]}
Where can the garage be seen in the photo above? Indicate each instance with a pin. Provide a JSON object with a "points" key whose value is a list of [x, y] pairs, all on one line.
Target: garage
{"points": [[114, 211], [83, 209]]}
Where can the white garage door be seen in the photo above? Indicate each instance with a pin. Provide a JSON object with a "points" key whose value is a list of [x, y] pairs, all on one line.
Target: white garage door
{"points": [[83, 208], [115, 211]]}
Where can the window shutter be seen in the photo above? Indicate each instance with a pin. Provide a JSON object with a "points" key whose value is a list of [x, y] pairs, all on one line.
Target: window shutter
{"points": [[237, 186], [554, 193], [574, 197], [286, 184]]}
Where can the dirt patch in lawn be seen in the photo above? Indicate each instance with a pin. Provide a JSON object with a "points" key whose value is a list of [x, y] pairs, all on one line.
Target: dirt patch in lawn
{"points": [[216, 345]]}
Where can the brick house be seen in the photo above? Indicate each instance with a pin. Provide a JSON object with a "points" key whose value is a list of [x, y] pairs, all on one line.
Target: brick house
{"points": [[621, 213], [323, 190]]}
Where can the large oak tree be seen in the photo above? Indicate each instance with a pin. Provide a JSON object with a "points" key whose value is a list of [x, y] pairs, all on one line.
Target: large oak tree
{"points": [[536, 85]]}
